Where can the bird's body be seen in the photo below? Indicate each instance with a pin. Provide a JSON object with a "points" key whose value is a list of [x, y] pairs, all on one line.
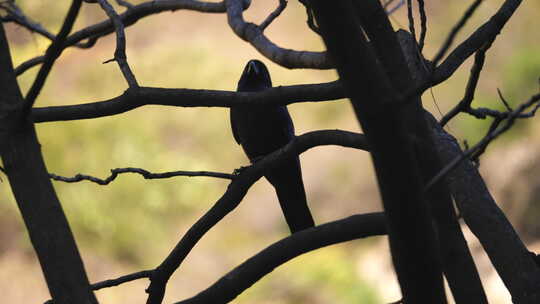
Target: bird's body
{"points": [[263, 130]]}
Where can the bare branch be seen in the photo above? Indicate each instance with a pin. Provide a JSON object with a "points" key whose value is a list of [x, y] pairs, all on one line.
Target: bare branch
{"points": [[484, 142], [146, 174], [285, 57], [481, 213], [15, 14], [234, 194], [311, 19], [253, 269], [455, 30], [125, 4], [423, 25], [410, 17], [118, 281], [134, 98], [395, 8], [282, 5], [465, 104], [120, 53], [52, 53], [130, 17], [485, 33], [121, 280]]}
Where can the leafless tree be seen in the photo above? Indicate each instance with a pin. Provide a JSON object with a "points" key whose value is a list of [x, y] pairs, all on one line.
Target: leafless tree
{"points": [[421, 170]]}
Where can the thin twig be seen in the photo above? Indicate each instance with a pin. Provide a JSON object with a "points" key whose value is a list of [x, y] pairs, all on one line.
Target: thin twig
{"points": [[146, 174], [282, 5], [118, 281], [410, 17], [52, 53], [15, 14], [423, 25], [123, 279], [484, 142], [395, 8], [455, 30], [124, 4], [120, 52], [130, 17], [465, 104], [310, 17]]}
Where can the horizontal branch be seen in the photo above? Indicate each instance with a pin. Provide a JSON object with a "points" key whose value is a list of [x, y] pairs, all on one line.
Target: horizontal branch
{"points": [[136, 97], [146, 174], [246, 274]]}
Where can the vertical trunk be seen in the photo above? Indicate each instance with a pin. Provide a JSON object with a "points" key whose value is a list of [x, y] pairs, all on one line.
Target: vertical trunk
{"points": [[406, 68], [46, 223], [411, 234]]}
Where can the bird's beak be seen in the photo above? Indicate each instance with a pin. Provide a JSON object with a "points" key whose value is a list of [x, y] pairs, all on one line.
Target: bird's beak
{"points": [[252, 68]]}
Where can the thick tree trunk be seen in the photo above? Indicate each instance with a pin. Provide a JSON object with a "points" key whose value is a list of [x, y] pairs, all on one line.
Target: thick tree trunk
{"points": [[411, 233], [46, 223]]}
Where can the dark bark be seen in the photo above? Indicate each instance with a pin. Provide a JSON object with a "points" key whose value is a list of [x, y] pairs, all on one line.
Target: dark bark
{"points": [[46, 223], [411, 234], [246, 274], [458, 264], [513, 262]]}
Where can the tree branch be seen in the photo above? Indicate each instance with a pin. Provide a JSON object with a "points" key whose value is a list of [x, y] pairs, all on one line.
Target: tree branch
{"points": [[52, 53], [465, 104], [485, 33], [507, 253], [146, 174], [120, 52], [40, 208], [492, 135], [234, 194], [455, 30], [130, 17], [412, 241], [246, 274], [285, 57], [281, 7], [134, 98]]}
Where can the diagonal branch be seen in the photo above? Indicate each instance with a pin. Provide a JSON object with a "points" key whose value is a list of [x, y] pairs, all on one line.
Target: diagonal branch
{"points": [[52, 53], [281, 7], [495, 132], [285, 57], [253, 269], [130, 17], [485, 33], [120, 52], [455, 30], [234, 194], [465, 104]]}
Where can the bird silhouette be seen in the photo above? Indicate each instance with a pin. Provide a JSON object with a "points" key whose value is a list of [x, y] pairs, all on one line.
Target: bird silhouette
{"points": [[261, 130]]}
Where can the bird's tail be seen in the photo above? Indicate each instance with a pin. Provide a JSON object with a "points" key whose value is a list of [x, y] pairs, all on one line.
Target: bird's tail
{"points": [[287, 180]]}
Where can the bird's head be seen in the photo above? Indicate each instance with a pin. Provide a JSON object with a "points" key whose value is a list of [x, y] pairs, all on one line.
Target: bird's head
{"points": [[255, 77]]}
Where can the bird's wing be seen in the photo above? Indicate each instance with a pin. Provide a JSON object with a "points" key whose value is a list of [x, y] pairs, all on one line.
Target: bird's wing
{"points": [[234, 127]]}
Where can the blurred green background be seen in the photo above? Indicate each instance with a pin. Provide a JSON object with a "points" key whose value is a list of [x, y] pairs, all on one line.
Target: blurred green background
{"points": [[132, 223]]}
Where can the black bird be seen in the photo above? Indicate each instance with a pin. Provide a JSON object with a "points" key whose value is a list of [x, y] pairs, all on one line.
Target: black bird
{"points": [[262, 130]]}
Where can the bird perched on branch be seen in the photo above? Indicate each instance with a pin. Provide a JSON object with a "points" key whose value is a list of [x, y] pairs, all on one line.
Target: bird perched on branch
{"points": [[264, 129]]}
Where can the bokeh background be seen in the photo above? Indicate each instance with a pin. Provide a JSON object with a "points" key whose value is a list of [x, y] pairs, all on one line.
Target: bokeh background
{"points": [[132, 223]]}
